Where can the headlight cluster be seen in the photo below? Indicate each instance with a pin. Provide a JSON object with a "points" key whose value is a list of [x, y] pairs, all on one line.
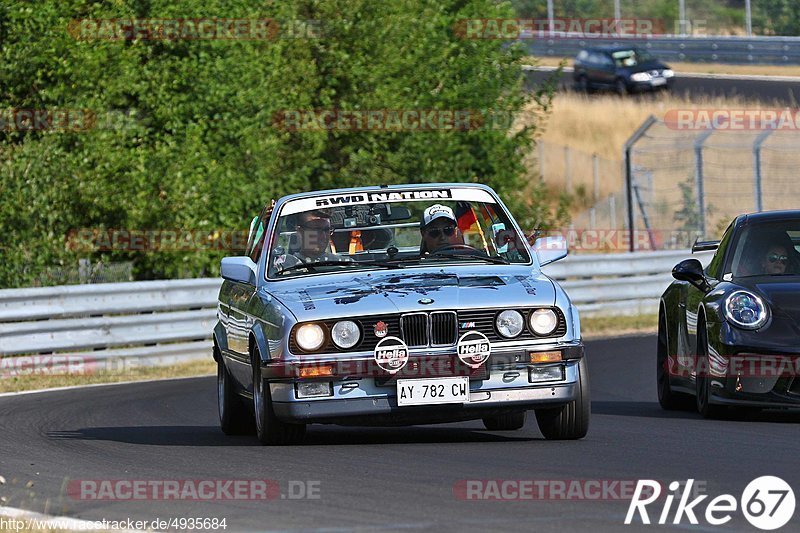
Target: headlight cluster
{"points": [[542, 322], [344, 334], [641, 76], [746, 310], [668, 73]]}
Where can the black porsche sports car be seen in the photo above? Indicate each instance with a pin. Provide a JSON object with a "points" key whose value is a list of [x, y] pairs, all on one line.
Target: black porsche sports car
{"points": [[729, 334]]}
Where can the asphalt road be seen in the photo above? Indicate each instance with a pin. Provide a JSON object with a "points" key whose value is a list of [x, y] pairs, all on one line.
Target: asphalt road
{"points": [[376, 479], [768, 92]]}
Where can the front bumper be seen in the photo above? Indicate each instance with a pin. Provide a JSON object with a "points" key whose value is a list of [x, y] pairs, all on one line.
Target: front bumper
{"points": [[505, 386]]}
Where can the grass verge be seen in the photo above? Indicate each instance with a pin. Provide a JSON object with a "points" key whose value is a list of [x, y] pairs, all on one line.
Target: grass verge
{"points": [[599, 327], [47, 381]]}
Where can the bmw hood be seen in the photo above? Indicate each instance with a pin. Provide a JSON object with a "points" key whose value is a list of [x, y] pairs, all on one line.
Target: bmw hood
{"points": [[371, 293]]}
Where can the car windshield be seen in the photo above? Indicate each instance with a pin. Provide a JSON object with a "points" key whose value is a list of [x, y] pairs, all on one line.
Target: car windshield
{"points": [[392, 229], [631, 58], [768, 249]]}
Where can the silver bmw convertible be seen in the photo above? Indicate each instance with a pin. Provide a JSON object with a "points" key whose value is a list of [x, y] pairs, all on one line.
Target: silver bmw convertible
{"points": [[396, 305]]}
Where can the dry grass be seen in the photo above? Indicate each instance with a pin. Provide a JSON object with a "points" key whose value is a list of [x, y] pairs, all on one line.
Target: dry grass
{"points": [[599, 327], [695, 68], [36, 382], [601, 124]]}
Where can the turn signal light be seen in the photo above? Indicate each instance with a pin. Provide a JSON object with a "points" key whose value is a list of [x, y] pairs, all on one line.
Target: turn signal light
{"points": [[545, 357], [316, 371]]}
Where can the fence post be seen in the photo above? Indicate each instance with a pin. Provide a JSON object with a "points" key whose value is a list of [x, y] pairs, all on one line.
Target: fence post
{"points": [[596, 176], [638, 134], [762, 137], [698, 178]]}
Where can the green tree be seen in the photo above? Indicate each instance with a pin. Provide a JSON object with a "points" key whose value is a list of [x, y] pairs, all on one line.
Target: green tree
{"points": [[197, 148]]}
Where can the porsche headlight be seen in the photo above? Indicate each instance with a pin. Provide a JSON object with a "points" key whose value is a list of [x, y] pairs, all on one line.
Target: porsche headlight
{"points": [[509, 323], [310, 337], [543, 321], [746, 310], [345, 334], [641, 76]]}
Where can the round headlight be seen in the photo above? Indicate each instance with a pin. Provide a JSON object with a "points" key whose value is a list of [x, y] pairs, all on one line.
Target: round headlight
{"points": [[543, 321], [746, 310], [509, 323], [345, 334], [310, 337]]}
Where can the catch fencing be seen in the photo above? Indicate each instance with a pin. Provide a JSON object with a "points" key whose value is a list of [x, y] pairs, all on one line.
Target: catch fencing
{"points": [[687, 183], [164, 322]]}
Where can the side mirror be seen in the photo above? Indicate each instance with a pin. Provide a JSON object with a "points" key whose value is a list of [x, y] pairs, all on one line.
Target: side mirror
{"points": [[239, 268], [691, 270], [550, 249]]}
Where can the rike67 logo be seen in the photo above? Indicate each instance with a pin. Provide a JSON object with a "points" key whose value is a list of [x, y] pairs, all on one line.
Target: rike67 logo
{"points": [[767, 503]]}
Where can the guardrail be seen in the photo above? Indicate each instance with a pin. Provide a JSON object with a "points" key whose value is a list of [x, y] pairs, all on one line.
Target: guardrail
{"points": [[618, 284], [735, 50], [162, 322]]}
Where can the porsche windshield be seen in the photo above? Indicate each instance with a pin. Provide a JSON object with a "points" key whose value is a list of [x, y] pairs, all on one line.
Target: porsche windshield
{"points": [[768, 249], [398, 229]]}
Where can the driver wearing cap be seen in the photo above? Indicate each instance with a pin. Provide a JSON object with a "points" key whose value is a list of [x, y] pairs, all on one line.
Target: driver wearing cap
{"points": [[439, 229]]}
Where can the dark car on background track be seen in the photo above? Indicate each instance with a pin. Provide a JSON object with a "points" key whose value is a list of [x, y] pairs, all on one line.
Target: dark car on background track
{"points": [[623, 69], [729, 334]]}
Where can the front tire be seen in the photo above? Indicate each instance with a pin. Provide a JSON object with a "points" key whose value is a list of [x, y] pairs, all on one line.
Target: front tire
{"points": [[702, 381], [270, 430], [669, 400], [234, 418], [620, 87], [570, 421], [506, 422]]}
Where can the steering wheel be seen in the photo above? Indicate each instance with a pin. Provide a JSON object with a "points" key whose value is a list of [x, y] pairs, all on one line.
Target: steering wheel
{"points": [[453, 247]]}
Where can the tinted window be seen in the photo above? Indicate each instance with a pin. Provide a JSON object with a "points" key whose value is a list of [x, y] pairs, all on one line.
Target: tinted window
{"points": [[767, 248], [714, 268]]}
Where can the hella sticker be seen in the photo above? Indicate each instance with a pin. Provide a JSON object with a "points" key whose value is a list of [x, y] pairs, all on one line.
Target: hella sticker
{"points": [[474, 348], [391, 354]]}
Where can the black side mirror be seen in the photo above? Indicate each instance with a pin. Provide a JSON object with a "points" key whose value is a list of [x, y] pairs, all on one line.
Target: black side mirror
{"points": [[692, 271]]}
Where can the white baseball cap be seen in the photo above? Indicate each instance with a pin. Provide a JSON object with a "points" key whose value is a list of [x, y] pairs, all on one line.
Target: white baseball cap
{"points": [[437, 211]]}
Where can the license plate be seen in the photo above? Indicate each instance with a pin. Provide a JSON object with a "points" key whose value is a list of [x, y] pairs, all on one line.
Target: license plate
{"points": [[432, 391], [658, 81]]}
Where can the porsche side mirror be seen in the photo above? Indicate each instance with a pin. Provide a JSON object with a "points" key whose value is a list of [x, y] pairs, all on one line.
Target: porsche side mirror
{"points": [[691, 270]]}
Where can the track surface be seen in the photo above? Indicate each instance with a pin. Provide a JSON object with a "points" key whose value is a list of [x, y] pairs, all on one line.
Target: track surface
{"points": [[376, 479], [768, 92]]}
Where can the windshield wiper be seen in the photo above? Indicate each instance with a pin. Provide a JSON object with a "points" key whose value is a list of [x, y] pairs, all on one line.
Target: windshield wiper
{"points": [[495, 260], [313, 266]]}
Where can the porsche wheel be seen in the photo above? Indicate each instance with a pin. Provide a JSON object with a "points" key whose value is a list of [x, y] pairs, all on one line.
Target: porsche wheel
{"points": [[270, 430], [506, 422], [234, 418], [668, 399], [570, 421], [702, 381]]}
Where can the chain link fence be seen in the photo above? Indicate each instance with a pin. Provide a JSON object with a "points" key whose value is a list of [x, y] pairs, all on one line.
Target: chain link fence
{"points": [[688, 184]]}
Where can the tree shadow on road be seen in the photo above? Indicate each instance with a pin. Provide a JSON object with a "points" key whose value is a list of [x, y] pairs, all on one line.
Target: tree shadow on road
{"points": [[200, 436]]}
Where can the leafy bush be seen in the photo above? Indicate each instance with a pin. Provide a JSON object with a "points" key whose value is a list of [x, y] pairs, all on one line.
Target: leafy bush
{"points": [[194, 146]]}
